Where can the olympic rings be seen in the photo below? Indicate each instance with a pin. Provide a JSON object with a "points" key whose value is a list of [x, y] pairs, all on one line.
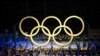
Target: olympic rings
{"points": [[48, 32]]}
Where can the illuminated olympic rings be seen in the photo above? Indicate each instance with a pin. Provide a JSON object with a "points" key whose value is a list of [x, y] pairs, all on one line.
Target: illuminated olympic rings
{"points": [[48, 32]]}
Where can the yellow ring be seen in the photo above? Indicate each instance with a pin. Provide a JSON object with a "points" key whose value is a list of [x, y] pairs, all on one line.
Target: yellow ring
{"points": [[71, 36], [28, 17], [43, 32], [79, 18], [53, 17]]}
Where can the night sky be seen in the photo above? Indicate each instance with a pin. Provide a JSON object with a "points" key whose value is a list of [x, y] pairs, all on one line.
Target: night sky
{"points": [[11, 12]]}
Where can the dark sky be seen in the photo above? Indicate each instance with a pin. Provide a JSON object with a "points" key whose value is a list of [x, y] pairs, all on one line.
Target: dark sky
{"points": [[11, 12]]}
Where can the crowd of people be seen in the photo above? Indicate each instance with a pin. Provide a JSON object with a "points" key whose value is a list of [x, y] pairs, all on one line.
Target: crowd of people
{"points": [[8, 51]]}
